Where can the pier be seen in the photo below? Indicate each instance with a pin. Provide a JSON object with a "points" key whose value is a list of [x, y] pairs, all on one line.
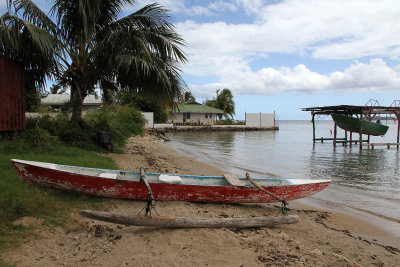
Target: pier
{"points": [[368, 112]]}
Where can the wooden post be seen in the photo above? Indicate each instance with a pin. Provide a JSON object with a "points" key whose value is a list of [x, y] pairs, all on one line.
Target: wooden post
{"points": [[313, 126], [274, 121], [345, 138], [361, 128], [398, 129], [351, 138], [334, 134]]}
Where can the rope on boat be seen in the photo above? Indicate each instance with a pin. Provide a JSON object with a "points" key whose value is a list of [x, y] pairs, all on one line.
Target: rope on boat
{"points": [[283, 209]]}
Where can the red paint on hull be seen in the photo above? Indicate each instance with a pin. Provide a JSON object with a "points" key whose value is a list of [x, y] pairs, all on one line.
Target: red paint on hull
{"points": [[124, 189]]}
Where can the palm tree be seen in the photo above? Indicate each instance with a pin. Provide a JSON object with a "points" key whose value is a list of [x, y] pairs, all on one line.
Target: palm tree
{"points": [[223, 101], [188, 97], [33, 47], [90, 45]]}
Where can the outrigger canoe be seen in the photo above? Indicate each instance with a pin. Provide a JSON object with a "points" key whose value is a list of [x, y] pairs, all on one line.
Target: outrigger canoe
{"points": [[172, 187], [351, 124]]}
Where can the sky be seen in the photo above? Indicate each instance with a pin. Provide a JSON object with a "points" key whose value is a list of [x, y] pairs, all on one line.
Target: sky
{"points": [[281, 56]]}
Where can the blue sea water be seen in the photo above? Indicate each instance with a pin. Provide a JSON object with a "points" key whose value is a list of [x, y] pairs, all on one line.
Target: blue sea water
{"points": [[363, 181]]}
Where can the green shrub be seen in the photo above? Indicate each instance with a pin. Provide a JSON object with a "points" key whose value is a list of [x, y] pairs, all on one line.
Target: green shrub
{"points": [[119, 121], [229, 122], [39, 137], [161, 115]]}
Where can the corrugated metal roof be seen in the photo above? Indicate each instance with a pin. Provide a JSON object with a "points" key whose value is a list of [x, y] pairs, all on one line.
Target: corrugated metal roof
{"points": [[196, 108], [60, 99]]}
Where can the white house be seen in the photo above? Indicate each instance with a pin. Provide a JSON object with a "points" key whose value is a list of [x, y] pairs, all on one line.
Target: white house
{"points": [[56, 101], [193, 113]]}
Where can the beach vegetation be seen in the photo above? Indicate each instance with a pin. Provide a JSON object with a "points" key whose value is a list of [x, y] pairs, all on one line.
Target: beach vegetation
{"points": [[145, 104], [82, 45], [229, 122], [120, 122]]}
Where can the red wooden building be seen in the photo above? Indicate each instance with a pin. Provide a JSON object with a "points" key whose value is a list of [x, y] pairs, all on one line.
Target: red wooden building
{"points": [[12, 103]]}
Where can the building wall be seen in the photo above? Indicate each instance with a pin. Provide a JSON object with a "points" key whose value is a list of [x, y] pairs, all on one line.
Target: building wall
{"points": [[194, 118], [260, 119], [149, 116], [12, 102]]}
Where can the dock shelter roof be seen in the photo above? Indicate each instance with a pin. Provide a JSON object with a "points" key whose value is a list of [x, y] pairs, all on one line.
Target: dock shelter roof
{"points": [[350, 110]]}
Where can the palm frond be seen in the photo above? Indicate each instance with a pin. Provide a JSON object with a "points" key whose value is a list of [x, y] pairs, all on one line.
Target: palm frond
{"points": [[33, 14]]}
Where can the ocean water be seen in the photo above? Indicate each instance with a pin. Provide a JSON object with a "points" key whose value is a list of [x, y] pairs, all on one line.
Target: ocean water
{"points": [[365, 182]]}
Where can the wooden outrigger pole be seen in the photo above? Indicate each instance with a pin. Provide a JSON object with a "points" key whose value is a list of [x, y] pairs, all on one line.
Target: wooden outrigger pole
{"points": [[184, 222]]}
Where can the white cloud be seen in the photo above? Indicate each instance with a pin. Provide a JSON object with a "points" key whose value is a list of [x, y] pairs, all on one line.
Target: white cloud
{"points": [[359, 77], [375, 76], [326, 29], [329, 30], [182, 6], [321, 29]]}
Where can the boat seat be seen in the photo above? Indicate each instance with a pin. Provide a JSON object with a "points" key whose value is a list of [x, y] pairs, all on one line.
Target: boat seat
{"points": [[170, 179], [108, 175], [234, 180]]}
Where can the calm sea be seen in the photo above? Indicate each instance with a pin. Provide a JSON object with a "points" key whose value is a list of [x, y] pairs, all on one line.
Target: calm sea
{"points": [[365, 182]]}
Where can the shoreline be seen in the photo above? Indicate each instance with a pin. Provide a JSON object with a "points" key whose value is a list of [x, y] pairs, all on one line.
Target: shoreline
{"points": [[331, 198], [320, 238], [373, 225]]}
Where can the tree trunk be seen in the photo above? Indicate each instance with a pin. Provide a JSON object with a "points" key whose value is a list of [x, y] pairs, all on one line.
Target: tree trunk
{"points": [[183, 222], [77, 98]]}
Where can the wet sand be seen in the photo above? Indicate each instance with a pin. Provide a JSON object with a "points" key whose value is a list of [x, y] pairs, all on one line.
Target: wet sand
{"points": [[321, 238]]}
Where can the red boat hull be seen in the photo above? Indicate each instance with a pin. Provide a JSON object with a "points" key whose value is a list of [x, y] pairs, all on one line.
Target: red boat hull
{"points": [[124, 189]]}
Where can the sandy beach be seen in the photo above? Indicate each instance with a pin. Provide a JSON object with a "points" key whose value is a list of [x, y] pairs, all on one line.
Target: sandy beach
{"points": [[321, 238]]}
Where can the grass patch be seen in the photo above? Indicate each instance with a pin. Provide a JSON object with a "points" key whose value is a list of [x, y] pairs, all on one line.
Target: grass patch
{"points": [[5, 264], [19, 199]]}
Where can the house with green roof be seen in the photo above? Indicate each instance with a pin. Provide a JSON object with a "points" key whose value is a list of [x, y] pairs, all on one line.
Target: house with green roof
{"points": [[193, 112]]}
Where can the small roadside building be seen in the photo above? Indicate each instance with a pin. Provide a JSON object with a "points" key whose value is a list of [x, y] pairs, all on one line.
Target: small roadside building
{"points": [[56, 101], [193, 113], [12, 102]]}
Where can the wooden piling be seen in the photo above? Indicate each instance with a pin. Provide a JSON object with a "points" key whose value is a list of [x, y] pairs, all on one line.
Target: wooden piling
{"points": [[313, 125], [361, 129], [334, 134]]}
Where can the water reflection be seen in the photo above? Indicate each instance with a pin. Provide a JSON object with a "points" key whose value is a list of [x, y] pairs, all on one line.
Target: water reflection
{"points": [[348, 167], [369, 178], [220, 141]]}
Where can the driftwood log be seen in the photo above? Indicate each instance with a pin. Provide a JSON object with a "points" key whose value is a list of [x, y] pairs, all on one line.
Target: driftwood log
{"points": [[184, 222]]}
